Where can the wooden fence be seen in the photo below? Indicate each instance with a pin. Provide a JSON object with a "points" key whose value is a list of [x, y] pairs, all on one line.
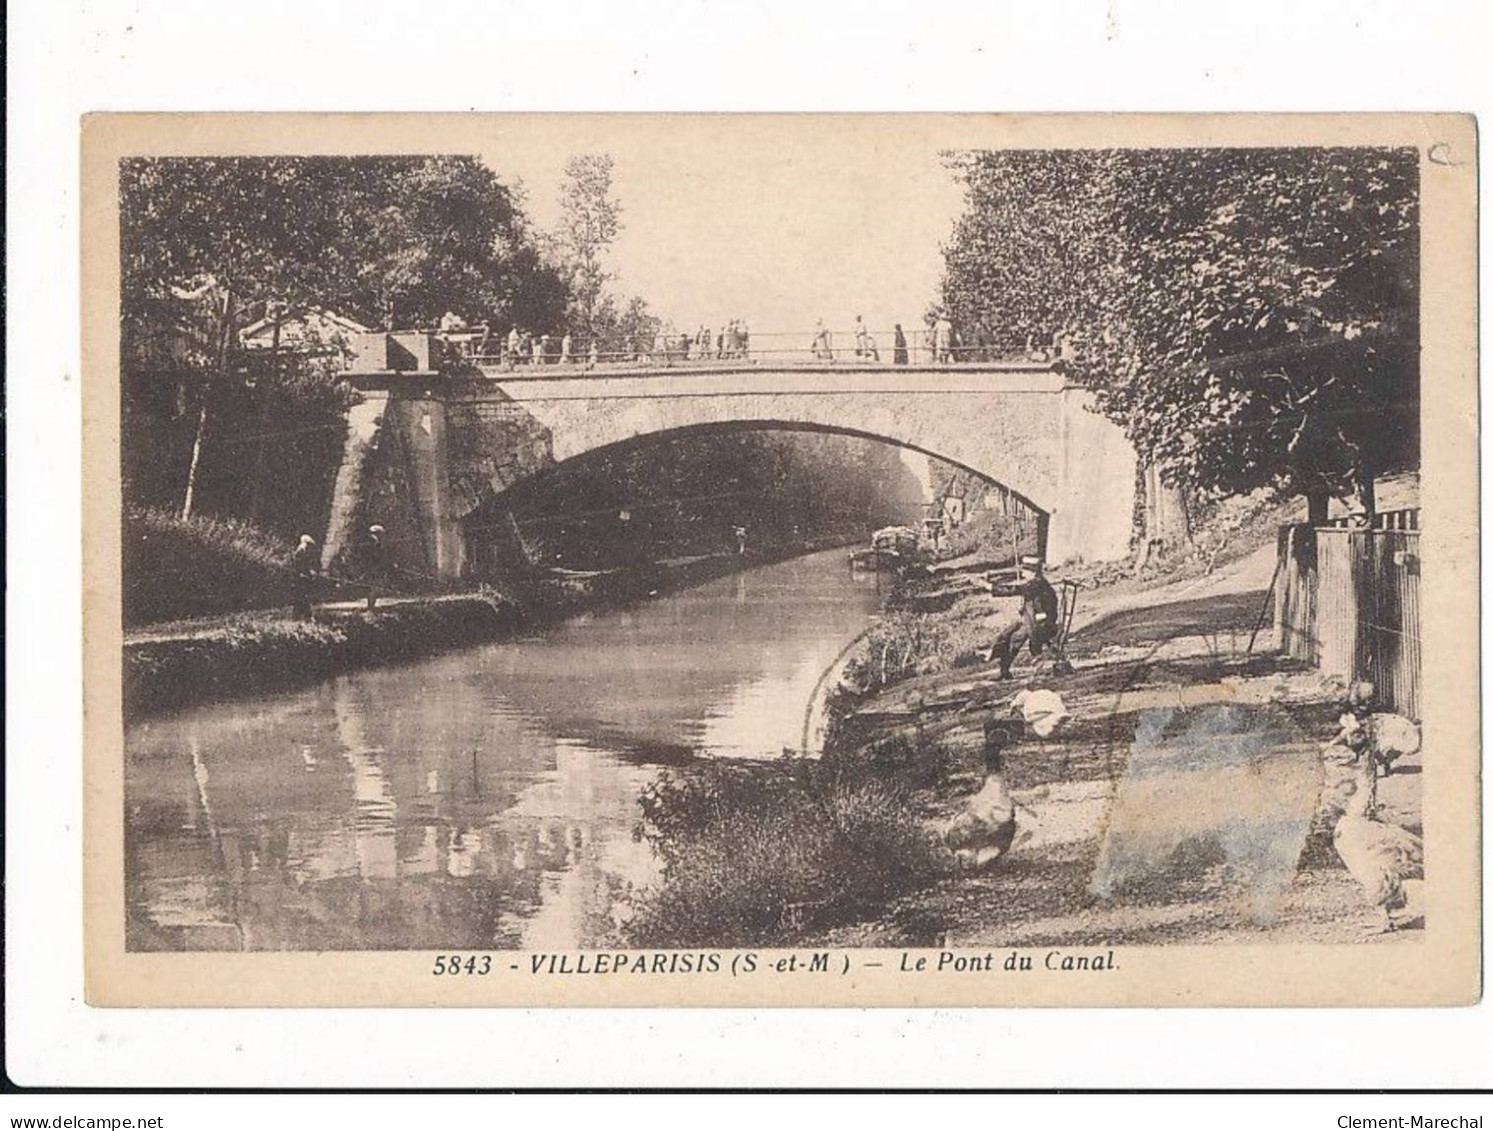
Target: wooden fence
{"points": [[1347, 599]]}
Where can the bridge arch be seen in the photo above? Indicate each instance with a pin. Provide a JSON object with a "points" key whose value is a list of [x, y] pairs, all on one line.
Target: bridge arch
{"points": [[488, 521], [684, 431]]}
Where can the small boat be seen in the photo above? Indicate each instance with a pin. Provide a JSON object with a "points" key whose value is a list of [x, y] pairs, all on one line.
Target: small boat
{"points": [[892, 548]]}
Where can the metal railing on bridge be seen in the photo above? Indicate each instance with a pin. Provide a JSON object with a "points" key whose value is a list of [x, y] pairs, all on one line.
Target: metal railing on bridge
{"points": [[796, 349]]}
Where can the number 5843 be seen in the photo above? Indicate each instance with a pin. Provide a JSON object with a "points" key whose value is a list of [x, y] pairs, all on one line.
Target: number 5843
{"points": [[476, 964]]}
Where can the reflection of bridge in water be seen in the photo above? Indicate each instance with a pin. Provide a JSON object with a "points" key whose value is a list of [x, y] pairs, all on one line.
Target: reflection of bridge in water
{"points": [[437, 436]]}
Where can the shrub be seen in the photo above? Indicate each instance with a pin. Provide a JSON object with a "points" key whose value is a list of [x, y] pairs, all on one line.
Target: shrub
{"points": [[903, 644], [753, 854]]}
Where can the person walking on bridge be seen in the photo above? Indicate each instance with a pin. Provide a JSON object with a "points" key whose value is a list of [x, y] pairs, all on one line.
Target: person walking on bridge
{"points": [[865, 344], [943, 339], [823, 350], [510, 351], [566, 348], [899, 345]]}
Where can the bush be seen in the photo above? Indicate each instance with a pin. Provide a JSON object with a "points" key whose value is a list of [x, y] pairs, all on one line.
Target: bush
{"points": [[753, 854], [175, 568], [903, 644]]}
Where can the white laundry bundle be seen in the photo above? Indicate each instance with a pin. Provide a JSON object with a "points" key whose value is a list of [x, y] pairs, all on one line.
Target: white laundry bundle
{"points": [[1043, 710]]}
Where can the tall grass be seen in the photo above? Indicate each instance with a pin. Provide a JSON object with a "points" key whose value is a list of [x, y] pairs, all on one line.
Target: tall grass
{"points": [[903, 643], [175, 568]]}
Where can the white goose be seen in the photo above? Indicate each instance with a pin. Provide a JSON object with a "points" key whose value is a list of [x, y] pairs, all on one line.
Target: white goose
{"points": [[1380, 856]]}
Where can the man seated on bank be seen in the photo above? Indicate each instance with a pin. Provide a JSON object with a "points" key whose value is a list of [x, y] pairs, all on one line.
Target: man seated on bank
{"points": [[1035, 623]]}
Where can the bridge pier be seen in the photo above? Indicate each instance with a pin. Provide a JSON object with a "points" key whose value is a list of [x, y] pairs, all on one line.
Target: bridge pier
{"points": [[1094, 506], [395, 471]]}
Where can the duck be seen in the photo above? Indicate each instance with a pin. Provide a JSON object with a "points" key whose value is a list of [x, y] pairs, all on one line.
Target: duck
{"points": [[1379, 855], [1383, 735]]}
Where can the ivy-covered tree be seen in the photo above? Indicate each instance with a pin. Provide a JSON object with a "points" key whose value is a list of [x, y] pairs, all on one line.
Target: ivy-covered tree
{"points": [[1249, 316]]}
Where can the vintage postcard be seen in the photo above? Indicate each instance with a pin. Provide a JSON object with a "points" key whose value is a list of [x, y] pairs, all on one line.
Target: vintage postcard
{"points": [[781, 560]]}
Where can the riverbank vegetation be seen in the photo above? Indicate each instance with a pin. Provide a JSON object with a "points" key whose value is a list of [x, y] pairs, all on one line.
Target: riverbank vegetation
{"points": [[177, 664], [754, 853], [176, 567]]}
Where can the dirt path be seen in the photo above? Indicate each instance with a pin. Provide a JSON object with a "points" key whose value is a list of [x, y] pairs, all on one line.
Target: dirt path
{"points": [[1090, 795], [1085, 788]]}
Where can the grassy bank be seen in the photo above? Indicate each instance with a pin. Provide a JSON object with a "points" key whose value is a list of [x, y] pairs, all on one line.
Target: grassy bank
{"points": [[200, 566], [174, 666]]}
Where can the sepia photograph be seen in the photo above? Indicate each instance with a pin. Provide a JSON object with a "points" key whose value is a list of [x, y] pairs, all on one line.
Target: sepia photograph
{"points": [[702, 549]]}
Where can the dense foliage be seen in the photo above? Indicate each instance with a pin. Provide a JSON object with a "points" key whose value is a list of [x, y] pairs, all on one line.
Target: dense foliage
{"points": [[1249, 316], [209, 245]]}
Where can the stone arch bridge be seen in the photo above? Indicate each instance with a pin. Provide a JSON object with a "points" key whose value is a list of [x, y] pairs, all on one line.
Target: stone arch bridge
{"points": [[428, 443]]}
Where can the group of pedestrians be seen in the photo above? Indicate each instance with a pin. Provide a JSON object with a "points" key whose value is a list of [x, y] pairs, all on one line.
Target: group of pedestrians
{"points": [[521, 347], [733, 340], [942, 343], [730, 341], [865, 347]]}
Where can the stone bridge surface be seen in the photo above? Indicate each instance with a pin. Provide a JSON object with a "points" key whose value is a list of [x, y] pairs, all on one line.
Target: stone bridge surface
{"points": [[426, 447]]}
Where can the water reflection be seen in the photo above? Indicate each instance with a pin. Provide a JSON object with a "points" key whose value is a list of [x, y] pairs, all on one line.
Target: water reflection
{"points": [[482, 798]]}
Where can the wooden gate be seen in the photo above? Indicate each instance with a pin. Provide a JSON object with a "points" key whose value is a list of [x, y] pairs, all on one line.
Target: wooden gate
{"points": [[1348, 601]]}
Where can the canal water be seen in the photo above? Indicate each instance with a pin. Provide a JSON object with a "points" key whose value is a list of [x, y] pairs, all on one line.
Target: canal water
{"points": [[481, 798]]}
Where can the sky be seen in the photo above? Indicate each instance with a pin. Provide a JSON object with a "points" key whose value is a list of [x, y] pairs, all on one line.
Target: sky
{"points": [[780, 222]]}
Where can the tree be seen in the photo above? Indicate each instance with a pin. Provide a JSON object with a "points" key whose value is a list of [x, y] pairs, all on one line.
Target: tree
{"points": [[1247, 315], [448, 235], [207, 243], [1025, 255], [590, 219], [624, 332], [227, 233]]}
